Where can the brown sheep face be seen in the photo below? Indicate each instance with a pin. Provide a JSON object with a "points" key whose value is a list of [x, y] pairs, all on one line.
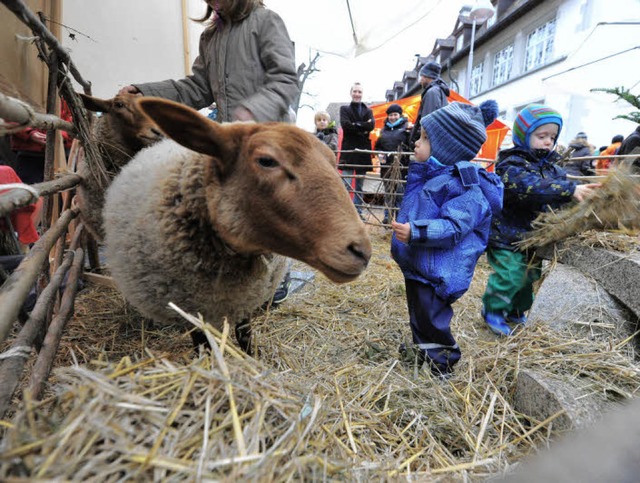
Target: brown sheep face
{"points": [[126, 124], [272, 187]]}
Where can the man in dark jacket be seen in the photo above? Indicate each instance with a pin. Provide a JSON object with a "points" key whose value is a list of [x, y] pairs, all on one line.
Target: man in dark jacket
{"points": [[434, 96], [356, 120]]}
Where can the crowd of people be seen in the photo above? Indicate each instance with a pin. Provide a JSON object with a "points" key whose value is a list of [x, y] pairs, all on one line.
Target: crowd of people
{"points": [[449, 210]]}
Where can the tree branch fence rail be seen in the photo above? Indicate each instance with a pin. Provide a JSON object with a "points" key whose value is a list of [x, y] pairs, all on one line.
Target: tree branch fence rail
{"points": [[54, 264]]}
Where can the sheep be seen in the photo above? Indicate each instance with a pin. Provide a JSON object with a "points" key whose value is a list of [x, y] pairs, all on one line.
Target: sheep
{"points": [[207, 218], [120, 132]]}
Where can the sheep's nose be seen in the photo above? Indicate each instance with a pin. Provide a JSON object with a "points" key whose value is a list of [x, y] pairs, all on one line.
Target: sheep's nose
{"points": [[157, 132], [361, 251]]}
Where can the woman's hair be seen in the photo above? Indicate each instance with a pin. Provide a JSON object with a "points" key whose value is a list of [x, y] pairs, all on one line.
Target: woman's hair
{"points": [[321, 115], [234, 10]]}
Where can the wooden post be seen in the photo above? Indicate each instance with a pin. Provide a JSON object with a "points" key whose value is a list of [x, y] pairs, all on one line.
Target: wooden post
{"points": [[186, 45], [47, 354]]}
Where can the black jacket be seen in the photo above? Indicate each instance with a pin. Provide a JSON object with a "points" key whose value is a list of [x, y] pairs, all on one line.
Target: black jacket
{"points": [[582, 167], [357, 122], [392, 138]]}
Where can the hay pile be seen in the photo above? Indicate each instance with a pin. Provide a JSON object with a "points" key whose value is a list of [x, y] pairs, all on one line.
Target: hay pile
{"points": [[326, 398], [614, 207]]}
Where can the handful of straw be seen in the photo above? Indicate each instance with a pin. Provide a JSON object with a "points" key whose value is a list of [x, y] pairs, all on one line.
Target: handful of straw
{"points": [[613, 207]]}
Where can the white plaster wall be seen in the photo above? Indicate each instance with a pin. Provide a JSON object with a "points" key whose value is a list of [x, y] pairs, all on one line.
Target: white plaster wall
{"points": [[121, 42], [566, 85]]}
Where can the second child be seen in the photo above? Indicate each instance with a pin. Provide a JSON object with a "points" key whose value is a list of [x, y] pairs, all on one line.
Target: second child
{"points": [[533, 183]]}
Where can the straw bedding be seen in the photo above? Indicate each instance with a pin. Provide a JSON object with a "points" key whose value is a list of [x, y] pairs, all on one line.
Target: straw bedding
{"points": [[325, 399]]}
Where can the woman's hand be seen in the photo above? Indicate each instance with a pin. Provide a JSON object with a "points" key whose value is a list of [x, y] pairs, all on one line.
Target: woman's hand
{"points": [[242, 114], [130, 90]]}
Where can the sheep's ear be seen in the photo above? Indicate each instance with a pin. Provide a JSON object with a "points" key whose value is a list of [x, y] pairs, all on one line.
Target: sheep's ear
{"points": [[95, 104], [186, 126]]}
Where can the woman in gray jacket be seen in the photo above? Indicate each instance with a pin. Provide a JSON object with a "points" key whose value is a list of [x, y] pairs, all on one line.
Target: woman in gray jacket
{"points": [[246, 64]]}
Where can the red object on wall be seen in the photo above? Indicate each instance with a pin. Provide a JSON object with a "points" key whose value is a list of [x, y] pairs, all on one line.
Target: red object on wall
{"points": [[22, 219]]}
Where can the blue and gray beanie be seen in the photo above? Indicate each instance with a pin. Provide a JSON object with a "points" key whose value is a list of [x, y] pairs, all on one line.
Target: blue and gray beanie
{"points": [[531, 118], [457, 131]]}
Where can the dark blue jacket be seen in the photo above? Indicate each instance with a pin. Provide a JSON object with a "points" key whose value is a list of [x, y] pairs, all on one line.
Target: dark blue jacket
{"points": [[391, 138], [531, 186], [449, 209]]}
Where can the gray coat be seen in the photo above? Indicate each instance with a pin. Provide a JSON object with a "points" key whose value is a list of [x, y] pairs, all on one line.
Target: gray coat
{"points": [[249, 64]]}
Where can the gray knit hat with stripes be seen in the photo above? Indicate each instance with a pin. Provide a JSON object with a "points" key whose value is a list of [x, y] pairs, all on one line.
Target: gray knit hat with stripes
{"points": [[457, 131]]}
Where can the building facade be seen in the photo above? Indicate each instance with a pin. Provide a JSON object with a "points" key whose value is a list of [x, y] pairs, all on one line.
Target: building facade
{"points": [[545, 51]]}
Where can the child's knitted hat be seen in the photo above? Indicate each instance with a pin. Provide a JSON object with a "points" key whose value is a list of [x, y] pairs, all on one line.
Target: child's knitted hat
{"points": [[457, 131], [531, 118]]}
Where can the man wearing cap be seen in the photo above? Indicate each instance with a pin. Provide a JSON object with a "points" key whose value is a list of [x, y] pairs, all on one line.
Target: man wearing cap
{"points": [[434, 95]]}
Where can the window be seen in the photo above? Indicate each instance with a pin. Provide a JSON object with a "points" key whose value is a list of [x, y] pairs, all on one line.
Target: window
{"points": [[502, 64], [540, 46], [476, 79], [459, 42]]}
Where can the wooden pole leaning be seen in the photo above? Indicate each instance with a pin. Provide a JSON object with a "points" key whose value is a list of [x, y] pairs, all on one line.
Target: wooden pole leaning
{"points": [[16, 288], [30, 336]]}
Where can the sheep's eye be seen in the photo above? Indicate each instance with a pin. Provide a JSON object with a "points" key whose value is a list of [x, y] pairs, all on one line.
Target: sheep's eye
{"points": [[266, 162], [118, 104]]}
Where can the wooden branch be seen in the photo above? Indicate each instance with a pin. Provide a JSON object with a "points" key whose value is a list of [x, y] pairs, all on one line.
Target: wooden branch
{"points": [[14, 110], [50, 147], [26, 16], [47, 354], [11, 200], [16, 288], [13, 366], [80, 117]]}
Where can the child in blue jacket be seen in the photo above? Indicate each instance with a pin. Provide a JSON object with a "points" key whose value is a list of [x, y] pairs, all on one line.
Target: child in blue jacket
{"points": [[443, 225], [533, 183]]}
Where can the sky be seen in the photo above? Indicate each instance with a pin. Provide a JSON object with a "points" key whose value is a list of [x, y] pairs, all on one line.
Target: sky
{"points": [[377, 69]]}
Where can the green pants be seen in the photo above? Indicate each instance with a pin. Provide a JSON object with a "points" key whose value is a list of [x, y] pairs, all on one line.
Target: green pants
{"points": [[510, 287]]}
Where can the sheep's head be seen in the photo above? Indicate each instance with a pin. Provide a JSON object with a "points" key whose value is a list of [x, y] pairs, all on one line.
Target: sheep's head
{"points": [[272, 187], [125, 125]]}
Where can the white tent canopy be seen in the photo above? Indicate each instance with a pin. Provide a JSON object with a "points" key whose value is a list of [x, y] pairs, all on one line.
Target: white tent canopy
{"points": [[349, 28]]}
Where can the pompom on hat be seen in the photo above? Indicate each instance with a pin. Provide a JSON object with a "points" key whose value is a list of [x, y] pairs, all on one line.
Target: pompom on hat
{"points": [[531, 118], [394, 108], [457, 131], [431, 70]]}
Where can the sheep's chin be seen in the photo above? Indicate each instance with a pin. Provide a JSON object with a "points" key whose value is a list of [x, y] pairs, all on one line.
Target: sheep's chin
{"points": [[335, 275]]}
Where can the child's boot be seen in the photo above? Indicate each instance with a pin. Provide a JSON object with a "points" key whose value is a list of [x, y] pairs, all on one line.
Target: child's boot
{"points": [[516, 317], [496, 322]]}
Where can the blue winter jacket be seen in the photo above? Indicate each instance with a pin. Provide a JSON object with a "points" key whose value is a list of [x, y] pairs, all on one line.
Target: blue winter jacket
{"points": [[531, 186], [449, 209]]}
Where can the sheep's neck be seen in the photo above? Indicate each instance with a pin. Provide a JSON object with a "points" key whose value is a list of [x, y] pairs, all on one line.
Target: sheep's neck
{"points": [[189, 228]]}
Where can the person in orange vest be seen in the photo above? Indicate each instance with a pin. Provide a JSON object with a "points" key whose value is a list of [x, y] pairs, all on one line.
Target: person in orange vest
{"points": [[603, 164]]}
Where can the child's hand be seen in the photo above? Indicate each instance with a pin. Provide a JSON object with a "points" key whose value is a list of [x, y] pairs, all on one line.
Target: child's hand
{"points": [[402, 231], [585, 190], [38, 137]]}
